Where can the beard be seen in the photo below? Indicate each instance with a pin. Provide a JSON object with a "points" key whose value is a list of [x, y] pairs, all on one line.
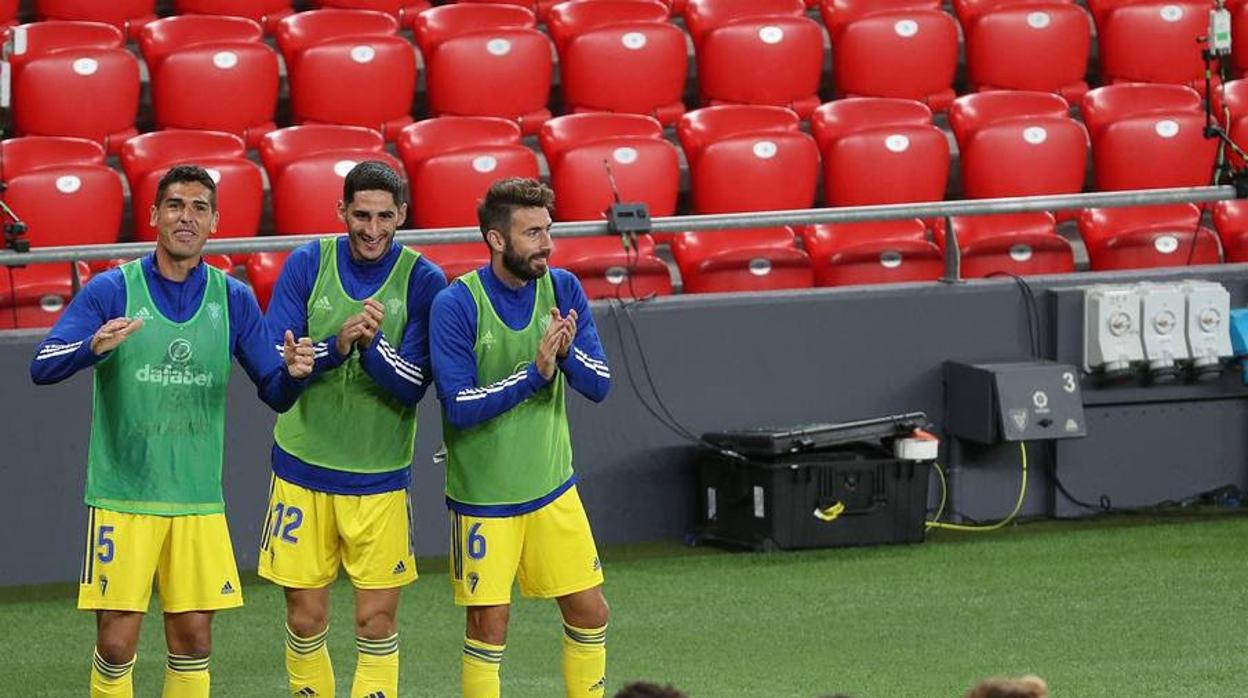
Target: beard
{"points": [[519, 266]]}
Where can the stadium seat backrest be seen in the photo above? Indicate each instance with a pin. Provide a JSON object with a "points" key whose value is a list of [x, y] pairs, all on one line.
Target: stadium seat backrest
{"points": [[265, 12], [645, 170], [163, 148], [756, 172], [106, 79], [969, 113], [303, 30], [1230, 218], [164, 36], [40, 293], [284, 146], [741, 260], [1234, 96], [229, 86], [774, 60], [1030, 47], [838, 118], [1148, 138], [1115, 102], [1021, 244], [700, 128], [600, 68], [457, 258], [607, 270], [571, 19], [8, 12], [1147, 237], [62, 190], [968, 11], [28, 42], [446, 22], [127, 15], [838, 13], [306, 195], [886, 165], [367, 80], [404, 11], [704, 16], [540, 9], [879, 252], [451, 162], [574, 130], [1024, 156], [1154, 42], [904, 53], [263, 268]]}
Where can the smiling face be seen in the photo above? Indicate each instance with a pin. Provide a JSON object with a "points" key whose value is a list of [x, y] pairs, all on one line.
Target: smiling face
{"points": [[371, 216], [184, 218], [526, 246]]}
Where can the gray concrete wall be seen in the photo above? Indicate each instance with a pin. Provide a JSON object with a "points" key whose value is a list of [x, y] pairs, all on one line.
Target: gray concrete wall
{"points": [[719, 362]]}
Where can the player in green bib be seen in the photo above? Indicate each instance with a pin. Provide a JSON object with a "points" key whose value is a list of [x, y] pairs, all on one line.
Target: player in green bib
{"points": [[160, 332], [507, 341], [342, 455]]}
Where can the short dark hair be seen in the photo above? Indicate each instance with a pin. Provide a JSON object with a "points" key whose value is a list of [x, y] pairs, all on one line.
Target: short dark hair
{"points": [[645, 689], [372, 175], [181, 174], [505, 196]]}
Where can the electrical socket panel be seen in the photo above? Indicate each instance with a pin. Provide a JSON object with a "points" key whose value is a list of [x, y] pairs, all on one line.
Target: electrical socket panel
{"points": [[1208, 323], [1163, 312], [1111, 329]]}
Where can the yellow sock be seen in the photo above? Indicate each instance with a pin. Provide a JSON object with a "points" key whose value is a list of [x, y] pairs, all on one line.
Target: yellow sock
{"points": [[480, 668], [307, 665], [111, 679], [585, 661], [376, 668], [186, 677]]}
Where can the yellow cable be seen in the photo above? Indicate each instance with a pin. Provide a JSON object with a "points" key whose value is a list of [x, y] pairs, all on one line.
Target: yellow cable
{"points": [[1022, 494], [944, 494]]}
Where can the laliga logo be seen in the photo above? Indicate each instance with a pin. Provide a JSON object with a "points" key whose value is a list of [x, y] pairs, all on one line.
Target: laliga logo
{"points": [[176, 372]]}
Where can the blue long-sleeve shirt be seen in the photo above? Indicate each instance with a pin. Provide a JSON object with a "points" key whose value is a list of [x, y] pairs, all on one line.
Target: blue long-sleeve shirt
{"points": [[399, 365], [454, 334], [67, 347]]}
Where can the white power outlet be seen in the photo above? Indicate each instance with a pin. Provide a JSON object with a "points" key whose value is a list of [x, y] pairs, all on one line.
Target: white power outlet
{"points": [[1111, 329]]}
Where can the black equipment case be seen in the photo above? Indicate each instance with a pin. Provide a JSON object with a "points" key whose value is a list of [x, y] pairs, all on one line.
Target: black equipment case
{"points": [[776, 489]]}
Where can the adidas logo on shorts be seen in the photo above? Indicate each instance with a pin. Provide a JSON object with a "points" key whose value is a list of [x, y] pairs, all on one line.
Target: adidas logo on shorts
{"points": [[306, 692], [400, 568], [376, 694], [227, 588]]}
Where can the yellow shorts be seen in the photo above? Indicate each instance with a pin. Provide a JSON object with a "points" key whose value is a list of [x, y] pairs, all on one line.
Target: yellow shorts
{"points": [[307, 533], [551, 550], [190, 556]]}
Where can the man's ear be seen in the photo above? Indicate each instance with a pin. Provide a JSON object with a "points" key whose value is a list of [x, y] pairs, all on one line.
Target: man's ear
{"points": [[496, 240]]}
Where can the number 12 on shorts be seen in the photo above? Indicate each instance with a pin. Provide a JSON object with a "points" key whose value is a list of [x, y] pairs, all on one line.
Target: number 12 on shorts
{"points": [[286, 520]]}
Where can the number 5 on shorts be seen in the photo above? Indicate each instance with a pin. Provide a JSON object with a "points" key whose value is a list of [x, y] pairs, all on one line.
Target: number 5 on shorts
{"points": [[476, 542]]}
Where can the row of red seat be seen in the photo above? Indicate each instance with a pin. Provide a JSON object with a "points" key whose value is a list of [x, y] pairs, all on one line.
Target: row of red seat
{"points": [[351, 67]]}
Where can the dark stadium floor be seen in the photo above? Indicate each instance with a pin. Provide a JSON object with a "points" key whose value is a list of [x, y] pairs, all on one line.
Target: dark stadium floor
{"points": [[1118, 607]]}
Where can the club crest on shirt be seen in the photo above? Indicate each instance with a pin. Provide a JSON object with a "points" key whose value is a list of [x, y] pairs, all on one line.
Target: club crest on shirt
{"points": [[393, 306], [180, 351], [543, 323], [214, 314]]}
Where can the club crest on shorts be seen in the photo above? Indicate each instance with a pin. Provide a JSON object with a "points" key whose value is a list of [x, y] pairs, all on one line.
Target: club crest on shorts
{"points": [[473, 580], [103, 585]]}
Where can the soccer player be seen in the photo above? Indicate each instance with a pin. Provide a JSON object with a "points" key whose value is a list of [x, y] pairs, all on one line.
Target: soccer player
{"points": [[342, 457], [505, 340], [160, 332]]}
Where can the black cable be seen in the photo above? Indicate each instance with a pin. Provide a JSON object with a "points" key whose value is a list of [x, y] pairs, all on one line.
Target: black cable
{"points": [[1032, 309], [12, 295]]}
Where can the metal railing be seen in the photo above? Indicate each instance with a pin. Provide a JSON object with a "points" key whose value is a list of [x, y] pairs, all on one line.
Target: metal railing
{"points": [[727, 221]]}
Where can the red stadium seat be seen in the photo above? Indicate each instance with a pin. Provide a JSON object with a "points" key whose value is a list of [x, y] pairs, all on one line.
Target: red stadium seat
{"points": [[404, 11], [263, 268], [348, 67], [8, 12], [763, 52], [1154, 42], [1148, 136], [35, 296], [127, 15], [62, 189], [605, 45], [741, 260], [240, 185], [306, 165], [538, 8], [1022, 244], [1018, 144], [581, 148], [893, 49], [451, 162], [880, 151], [1030, 46], [1239, 35], [457, 258], [486, 60], [51, 61], [266, 13], [1233, 96], [607, 270], [212, 73], [881, 252], [1230, 219], [748, 158], [1147, 237]]}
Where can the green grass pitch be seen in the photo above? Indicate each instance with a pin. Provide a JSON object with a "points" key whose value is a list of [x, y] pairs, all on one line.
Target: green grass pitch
{"points": [[1125, 607]]}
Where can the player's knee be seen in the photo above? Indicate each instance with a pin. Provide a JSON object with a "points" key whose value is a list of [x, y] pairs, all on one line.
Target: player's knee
{"points": [[306, 622], [488, 623], [597, 614], [196, 644], [115, 650], [375, 624]]}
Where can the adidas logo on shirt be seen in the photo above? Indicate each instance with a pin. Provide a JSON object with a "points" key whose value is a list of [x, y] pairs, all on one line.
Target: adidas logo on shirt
{"points": [[400, 568], [323, 305], [143, 314], [227, 588], [487, 340]]}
